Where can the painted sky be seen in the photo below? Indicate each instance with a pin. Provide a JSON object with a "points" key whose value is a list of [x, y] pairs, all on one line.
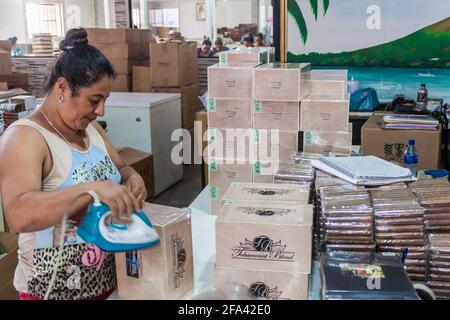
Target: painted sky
{"points": [[344, 28]]}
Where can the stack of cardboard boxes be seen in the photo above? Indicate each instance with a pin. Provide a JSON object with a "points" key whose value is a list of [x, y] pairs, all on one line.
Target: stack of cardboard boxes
{"points": [[124, 48], [174, 70], [263, 242], [36, 69], [8, 79], [324, 115], [5, 58]]}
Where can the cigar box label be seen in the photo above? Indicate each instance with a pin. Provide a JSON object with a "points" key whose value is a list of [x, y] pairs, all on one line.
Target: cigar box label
{"points": [[132, 264], [362, 270], [308, 138], [261, 290], [257, 168], [212, 105], [267, 191], [265, 212], [212, 135], [213, 165], [256, 135], [223, 57], [230, 83], [179, 259], [228, 202], [262, 248], [257, 106], [277, 85], [213, 191], [234, 184]]}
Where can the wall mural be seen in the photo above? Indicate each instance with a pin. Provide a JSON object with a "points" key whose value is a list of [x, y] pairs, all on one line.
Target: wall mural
{"points": [[390, 45]]}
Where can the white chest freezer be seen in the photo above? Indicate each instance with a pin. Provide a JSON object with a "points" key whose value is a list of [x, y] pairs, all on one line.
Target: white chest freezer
{"points": [[145, 121]]}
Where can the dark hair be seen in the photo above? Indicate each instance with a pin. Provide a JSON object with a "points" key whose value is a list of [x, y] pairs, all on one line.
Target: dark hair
{"points": [[219, 41], [207, 42], [259, 34], [248, 39], [80, 63]]}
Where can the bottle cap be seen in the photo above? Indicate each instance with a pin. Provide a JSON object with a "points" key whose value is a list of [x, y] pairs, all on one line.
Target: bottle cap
{"points": [[412, 142]]}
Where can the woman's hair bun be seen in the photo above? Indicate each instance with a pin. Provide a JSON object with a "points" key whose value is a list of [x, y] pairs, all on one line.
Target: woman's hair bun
{"points": [[76, 37]]}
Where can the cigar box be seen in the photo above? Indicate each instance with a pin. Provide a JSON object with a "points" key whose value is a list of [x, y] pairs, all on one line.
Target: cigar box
{"points": [[164, 271], [230, 113], [230, 143], [276, 115], [274, 145], [324, 112], [329, 82], [245, 55], [222, 171], [326, 142], [216, 196], [230, 81], [281, 82], [242, 284], [261, 235]]}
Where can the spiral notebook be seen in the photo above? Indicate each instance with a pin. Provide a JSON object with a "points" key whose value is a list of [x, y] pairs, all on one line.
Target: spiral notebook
{"points": [[367, 170]]}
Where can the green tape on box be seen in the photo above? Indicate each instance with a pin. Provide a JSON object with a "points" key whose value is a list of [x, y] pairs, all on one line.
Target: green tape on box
{"points": [[213, 165], [257, 106], [223, 57], [213, 190], [211, 135], [257, 168], [212, 105], [308, 138], [256, 135]]}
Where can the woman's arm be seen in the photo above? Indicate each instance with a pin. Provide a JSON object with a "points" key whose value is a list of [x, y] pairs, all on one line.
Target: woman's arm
{"points": [[26, 207]]}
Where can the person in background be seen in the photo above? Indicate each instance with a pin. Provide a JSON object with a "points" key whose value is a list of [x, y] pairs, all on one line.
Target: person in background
{"points": [[259, 40], [248, 41], [205, 51], [171, 35], [219, 47]]}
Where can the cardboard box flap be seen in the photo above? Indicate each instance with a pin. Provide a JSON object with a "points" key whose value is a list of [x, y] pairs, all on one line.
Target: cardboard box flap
{"points": [[273, 213], [267, 192], [163, 215]]}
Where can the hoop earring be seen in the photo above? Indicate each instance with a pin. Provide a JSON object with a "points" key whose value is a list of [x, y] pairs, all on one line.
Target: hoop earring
{"points": [[61, 99]]}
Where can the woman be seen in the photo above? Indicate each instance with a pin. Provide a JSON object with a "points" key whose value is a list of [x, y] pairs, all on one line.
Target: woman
{"points": [[219, 47], [54, 155], [205, 51]]}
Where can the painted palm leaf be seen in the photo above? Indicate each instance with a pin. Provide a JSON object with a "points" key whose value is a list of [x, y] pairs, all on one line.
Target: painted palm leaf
{"points": [[297, 15], [315, 7], [326, 5]]}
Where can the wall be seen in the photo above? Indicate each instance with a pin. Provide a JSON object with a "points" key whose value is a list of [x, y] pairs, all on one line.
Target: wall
{"points": [[12, 20], [79, 13], [232, 13], [189, 26]]}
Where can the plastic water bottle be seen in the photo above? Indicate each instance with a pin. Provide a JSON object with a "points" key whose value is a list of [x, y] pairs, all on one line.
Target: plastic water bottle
{"points": [[411, 158]]}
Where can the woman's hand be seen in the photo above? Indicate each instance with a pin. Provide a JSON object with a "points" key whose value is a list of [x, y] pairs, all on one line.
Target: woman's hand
{"points": [[118, 198], [135, 184]]}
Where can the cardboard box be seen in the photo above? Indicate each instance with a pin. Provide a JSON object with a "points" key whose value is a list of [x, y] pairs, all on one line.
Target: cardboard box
{"points": [[124, 51], [273, 236], [329, 82], [324, 113], [125, 66], [276, 115], [282, 82], [8, 264], [16, 80], [230, 113], [223, 172], [3, 86], [231, 143], [190, 103], [274, 145], [5, 58], [123, 83], [173, 64], [325, 142], [142, 79], [258, 284], [266, 192], [230, 81], [165, 271], [245, 55], [390, 144], [115, 36], [142, 162], [216, 196]]}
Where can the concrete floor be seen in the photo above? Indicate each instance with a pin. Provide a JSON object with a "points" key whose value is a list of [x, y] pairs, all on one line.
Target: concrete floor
{"points": [[184, 192]]}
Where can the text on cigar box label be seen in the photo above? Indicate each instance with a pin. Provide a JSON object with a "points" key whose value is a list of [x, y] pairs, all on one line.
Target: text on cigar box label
{"points": [[265, 212], [262, 248]]}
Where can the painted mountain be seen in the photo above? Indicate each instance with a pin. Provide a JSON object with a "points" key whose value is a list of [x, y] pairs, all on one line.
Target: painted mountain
{"points": [[426, 48]]}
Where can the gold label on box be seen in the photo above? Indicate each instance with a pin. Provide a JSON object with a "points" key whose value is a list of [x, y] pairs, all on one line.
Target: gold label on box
{"points": [[257, 106]]}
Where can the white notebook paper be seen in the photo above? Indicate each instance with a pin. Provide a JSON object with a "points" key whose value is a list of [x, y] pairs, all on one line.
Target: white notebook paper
{"points": [[367, 170]]}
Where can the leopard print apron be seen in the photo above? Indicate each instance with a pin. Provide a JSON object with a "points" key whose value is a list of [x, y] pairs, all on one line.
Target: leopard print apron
{"points": [[83, 270]]}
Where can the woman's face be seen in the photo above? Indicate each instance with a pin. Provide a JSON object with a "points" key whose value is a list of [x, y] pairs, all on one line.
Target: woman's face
{"points": [[79, 111]]}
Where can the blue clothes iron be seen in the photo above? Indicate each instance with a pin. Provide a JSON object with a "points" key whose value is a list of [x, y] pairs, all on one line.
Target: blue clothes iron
{"points": [[110, 237]]}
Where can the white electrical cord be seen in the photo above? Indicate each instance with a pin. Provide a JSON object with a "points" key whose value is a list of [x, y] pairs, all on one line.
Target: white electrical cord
{"points": [[62, 237]]}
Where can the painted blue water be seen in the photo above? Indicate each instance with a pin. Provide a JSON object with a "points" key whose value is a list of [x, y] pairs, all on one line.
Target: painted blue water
{"points": [[391, 81]]}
